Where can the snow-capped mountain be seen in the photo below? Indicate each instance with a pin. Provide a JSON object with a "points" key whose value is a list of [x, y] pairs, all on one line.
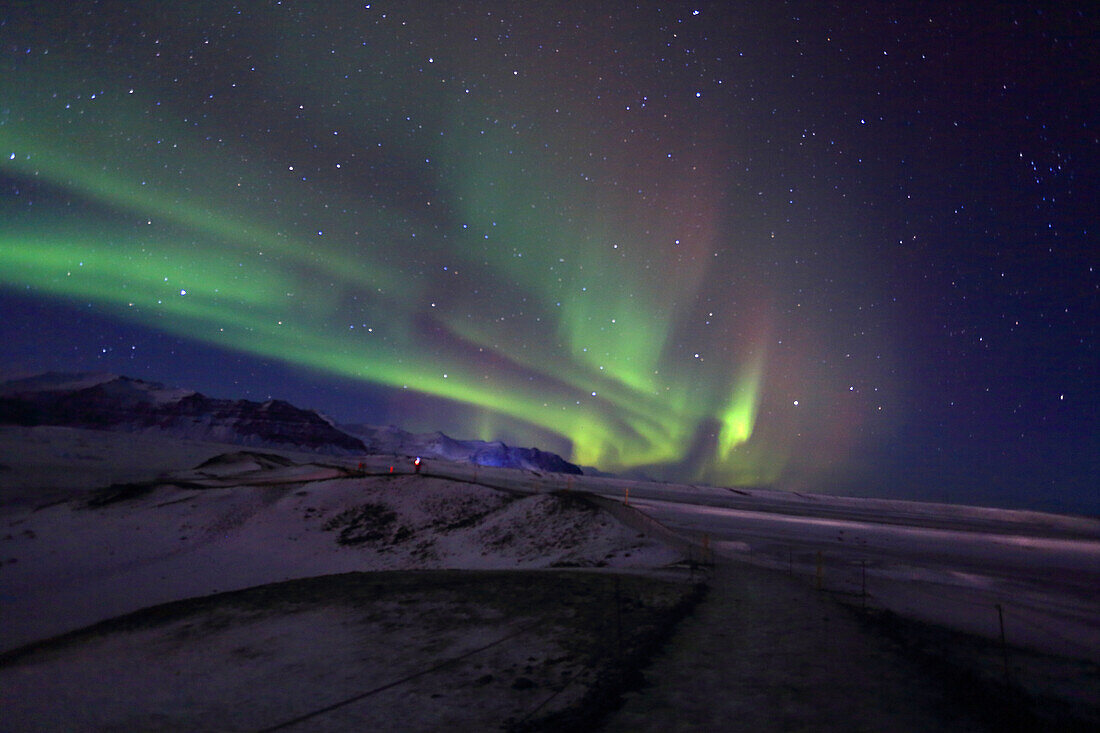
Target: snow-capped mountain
{"points": [[112, 402], [390, 439]]}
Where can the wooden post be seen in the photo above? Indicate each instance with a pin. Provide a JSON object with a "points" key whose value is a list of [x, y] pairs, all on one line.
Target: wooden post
{"points": [[1004, 645], [618, 621], [626, 496]]}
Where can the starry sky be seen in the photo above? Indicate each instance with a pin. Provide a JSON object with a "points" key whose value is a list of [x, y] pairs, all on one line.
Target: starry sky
{"points": [[840, 247]]}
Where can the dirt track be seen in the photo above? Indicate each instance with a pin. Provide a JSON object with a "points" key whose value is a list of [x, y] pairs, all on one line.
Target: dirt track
{"points": [[766, 652]]}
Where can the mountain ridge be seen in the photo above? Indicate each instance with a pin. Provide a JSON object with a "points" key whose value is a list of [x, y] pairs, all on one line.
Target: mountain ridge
{"points": [[104, 401], [391, 439]]}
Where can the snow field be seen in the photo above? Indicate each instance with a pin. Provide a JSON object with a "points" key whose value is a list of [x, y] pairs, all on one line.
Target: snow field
{"points": [[67, 565]]}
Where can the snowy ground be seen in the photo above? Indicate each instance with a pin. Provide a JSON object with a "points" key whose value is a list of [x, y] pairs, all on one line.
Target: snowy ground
{"points": [[1044, 583], [410, 651], [938, 563], [173, 521], [47, 463], [185, 520], [243, 521]]}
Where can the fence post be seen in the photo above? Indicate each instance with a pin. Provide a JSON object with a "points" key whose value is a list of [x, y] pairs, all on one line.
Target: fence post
{"points": [[618, 623], [1004, 645]]}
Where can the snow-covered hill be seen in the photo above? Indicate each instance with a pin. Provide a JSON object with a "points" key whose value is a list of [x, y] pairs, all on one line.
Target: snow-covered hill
{"points": [[246, 518]]}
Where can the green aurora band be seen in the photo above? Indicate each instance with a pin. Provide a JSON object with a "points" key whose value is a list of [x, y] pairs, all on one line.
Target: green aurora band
{"points": [[547, 302]]}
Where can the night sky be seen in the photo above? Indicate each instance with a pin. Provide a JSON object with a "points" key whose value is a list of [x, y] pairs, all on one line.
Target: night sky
{"points": [[842, 247]]}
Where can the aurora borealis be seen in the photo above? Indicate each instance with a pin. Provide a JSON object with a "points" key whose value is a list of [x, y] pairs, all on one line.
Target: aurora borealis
{"points": [[741, 243]]}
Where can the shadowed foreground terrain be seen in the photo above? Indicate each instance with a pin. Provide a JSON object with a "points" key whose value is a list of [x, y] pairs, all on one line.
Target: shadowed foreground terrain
{"points": [[358, 651]]}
